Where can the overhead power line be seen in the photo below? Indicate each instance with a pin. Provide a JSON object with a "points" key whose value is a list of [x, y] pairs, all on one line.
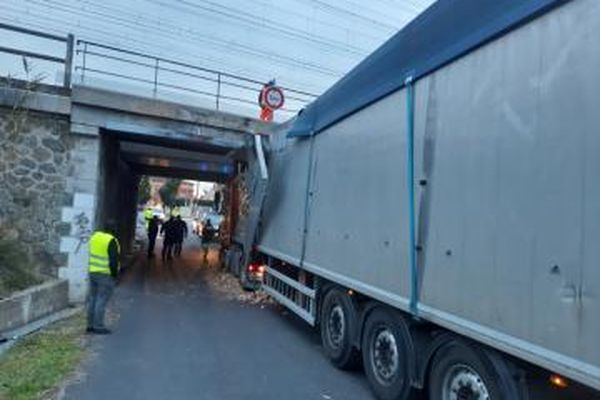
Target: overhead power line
{"points": [[255, 21], [219, 43], [63, 27], [409, 10], [338, 10], [329, 23]]}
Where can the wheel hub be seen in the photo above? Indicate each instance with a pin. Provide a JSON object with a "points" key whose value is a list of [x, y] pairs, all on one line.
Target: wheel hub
{"points": [[336, 325], [385, 356], [464, 383]]}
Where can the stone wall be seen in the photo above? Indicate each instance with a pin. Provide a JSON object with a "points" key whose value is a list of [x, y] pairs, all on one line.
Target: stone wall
{"points": [[34, 165]]}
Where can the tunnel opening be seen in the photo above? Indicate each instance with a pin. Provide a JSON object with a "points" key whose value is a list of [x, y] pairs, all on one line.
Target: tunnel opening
{"points": [[129, 159]]}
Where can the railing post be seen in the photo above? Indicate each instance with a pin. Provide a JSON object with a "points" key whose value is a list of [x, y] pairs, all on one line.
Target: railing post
{"points": [[218, 89], [83, 62], [69, 61], [155, 76]]}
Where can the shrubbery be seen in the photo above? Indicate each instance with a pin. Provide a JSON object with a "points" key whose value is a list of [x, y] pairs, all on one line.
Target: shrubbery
{"points": [[16, 269]]}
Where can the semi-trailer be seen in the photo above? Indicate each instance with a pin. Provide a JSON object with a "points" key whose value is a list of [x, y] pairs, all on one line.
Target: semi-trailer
{"points": [[436, 213]]}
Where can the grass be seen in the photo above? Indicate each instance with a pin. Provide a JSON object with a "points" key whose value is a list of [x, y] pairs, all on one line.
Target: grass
{"points": [[16, 270], [37, 365]]}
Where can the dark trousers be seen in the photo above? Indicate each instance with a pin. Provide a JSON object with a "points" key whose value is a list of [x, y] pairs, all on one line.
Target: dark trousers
{"points": [[166, 250], [177, 248], [101, 289], [151, 243]]}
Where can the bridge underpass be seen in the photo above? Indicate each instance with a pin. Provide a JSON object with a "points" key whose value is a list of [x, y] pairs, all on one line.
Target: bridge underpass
{"points": [[81, 156], [125, 157], [140, 136]]}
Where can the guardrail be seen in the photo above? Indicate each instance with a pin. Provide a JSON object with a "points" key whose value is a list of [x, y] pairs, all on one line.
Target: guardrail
{"points": [[67, 61], [154, 68]]}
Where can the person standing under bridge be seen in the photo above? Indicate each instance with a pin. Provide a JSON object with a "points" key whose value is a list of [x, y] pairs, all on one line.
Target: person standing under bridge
{"points": [[169, 229], [103, 271], [208, 233], [181, 233], [148, 213], [152, 233]]}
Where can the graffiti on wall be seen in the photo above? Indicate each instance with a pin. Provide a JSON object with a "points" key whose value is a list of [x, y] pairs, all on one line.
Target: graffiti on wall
{"points": [[83, 230]]}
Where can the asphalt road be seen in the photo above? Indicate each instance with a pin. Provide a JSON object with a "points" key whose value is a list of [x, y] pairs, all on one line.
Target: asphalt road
{"points": [[175, 339]]}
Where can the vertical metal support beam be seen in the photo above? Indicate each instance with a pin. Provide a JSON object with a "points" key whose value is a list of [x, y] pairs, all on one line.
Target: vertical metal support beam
{"points": [[260, 156], [69, 61], [218, 89], [156, 61], [83, 62], [410, 182]]}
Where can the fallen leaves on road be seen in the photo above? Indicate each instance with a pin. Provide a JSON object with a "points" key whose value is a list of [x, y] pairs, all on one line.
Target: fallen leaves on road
{"points": [[229, 287]]}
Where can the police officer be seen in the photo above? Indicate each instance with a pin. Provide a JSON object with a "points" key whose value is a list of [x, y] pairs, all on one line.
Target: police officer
{"points": [[103, 271]]}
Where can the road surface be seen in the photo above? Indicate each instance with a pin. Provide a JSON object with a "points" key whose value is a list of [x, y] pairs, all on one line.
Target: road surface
{"points": [[175, 339]]}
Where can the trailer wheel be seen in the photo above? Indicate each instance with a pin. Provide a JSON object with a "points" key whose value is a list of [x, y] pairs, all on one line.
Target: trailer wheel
{"points": [[386, 351], [338, 322], [460, 371]]}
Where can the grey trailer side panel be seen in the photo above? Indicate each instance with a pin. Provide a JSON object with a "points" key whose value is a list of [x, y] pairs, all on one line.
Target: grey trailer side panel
{"points": [[480, 187], [523, 143], [571, 76], [508, 139], [359, 205]]}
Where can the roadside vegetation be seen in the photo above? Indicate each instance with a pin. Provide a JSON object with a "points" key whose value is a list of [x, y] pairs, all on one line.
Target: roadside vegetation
{"points": [[16, 271], [35, 367]]}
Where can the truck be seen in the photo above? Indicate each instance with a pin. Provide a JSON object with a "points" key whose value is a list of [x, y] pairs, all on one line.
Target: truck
{"points": [[436, 212]]}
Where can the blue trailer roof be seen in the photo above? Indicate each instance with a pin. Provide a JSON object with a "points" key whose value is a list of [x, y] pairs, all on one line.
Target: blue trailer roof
{"points": [[444, 32]]}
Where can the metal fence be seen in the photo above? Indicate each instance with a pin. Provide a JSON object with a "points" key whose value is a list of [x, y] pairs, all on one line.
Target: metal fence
{"points": [[67, 60], [96, 61], [158, 73]]}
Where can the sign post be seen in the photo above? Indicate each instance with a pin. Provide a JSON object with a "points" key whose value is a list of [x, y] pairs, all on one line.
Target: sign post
{"points": [[271, 98]]}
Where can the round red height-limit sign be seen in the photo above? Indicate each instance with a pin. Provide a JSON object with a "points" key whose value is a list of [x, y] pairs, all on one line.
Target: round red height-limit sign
{"points": [[273, 97]]}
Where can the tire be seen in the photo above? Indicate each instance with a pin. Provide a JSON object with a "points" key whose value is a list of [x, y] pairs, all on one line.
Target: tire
{"points": [[338, 327], [460, 370], [387, 355]]}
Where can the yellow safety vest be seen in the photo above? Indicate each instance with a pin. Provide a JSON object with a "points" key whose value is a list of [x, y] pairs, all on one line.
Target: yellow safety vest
{"points": [[148, 214], [99, 260]]}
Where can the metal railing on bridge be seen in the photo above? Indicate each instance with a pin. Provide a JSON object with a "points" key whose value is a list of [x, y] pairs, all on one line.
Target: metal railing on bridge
{"points": [[95, 64], [66, 61], [158, 73]]}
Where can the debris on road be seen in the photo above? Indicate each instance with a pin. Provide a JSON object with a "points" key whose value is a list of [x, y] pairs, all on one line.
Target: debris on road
{"points": [[229, 287]]}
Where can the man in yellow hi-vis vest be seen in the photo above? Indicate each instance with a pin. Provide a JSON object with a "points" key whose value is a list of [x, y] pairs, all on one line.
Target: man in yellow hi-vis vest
{"points": [[103, 270]]}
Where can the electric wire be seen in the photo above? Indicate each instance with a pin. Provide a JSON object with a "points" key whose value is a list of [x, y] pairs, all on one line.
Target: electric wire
{"points": [[199, 38], [266, 24], [105, 36]]}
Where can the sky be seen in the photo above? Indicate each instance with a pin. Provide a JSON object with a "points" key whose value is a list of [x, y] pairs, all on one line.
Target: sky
{"points": [[304, 44]]}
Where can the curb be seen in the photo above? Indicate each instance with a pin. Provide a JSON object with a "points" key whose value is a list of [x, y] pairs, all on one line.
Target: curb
{"points": [[10, 338]]}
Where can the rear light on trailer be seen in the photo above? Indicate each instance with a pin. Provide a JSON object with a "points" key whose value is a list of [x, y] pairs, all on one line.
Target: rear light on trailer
{"points": [[256, 268], [558, 381]]}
